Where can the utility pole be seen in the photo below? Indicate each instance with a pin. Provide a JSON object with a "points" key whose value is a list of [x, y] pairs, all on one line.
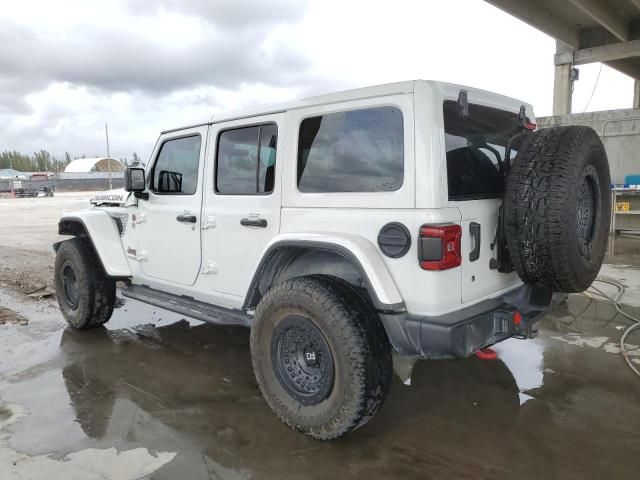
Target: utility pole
{"points": [[106, 132]]}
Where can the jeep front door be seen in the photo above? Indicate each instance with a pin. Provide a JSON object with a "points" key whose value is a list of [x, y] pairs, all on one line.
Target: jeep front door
{"points": [[168, 222]]}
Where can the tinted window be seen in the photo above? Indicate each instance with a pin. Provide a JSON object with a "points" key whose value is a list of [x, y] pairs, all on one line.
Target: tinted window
{"points": [[176, 169], [355, 151], [476, 148], [246, 160]]}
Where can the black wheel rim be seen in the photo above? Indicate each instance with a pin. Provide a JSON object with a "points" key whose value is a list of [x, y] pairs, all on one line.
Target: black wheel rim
{"points": [[302, 360], [588, 207], [70, 286]]}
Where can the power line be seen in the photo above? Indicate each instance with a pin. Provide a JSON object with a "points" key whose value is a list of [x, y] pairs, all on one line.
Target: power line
{"points": [[595, 85]]}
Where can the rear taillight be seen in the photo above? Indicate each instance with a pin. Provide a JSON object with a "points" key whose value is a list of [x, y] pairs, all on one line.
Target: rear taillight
{"points": [[439, 247]]}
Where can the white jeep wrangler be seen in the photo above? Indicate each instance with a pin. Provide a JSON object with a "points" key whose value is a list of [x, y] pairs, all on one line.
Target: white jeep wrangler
{"points": [[421, 216]]}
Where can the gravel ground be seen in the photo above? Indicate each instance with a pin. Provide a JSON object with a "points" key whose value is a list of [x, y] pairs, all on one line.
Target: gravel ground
{"points": [[28, 229], [8, 316]]}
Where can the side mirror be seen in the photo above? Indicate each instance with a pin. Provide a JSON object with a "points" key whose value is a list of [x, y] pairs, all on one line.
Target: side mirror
{"points": [[134, 179]]}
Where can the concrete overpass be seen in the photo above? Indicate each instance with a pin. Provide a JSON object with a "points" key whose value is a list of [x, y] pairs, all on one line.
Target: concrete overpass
{"points": [[586, 31]]}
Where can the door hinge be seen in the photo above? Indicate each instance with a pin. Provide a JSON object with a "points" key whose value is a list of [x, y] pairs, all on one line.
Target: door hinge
{"points": [[139, 218], [135, 255], [209, 267], [209, 222]]}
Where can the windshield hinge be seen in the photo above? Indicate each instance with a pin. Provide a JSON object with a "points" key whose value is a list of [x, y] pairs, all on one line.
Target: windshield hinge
{"points": [[139, 218]]}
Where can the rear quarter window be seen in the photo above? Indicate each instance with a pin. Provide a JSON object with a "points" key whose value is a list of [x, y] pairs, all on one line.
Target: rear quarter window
{"points": [[353, 151]]}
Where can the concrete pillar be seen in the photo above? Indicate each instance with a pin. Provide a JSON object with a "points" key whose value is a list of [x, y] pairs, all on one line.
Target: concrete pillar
{"points": [[636, 94], [562, 90]]}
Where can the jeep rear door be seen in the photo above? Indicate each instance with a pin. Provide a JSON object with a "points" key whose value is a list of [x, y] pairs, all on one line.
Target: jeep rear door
{"points": [[475, 155], [242, 202]]}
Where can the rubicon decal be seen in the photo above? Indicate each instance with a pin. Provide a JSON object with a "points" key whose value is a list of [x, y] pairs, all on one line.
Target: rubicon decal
{"points": [[108, 198]]}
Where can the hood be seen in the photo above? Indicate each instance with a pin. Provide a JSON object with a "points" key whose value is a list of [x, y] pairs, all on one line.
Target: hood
{"points": [[116, 197]]}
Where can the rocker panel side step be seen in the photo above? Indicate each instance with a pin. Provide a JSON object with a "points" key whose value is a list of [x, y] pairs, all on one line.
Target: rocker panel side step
{"points": [[187, 306]]}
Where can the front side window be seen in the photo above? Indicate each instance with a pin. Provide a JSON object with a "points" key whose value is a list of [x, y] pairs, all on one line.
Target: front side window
{"points": [[176, 169], [246, 160], [476, 148], [353, 151]]}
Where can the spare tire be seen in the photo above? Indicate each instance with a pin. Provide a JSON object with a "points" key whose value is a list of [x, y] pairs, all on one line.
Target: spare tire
{"points": [[557, 208]]}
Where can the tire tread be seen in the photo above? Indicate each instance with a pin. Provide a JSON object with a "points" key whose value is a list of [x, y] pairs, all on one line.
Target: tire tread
{"points": [[352, 318], [100, 288], [539, 220]]}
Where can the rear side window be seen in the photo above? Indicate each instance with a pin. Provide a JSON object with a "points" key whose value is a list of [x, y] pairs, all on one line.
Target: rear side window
{"points": [[354, 151], [246, 160], [176, 169], [476, 148]]}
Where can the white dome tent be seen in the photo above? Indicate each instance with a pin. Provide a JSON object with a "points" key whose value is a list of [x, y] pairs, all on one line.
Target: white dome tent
{"points": [[96, 164]]}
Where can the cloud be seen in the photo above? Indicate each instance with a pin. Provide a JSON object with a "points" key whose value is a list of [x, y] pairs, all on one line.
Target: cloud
{"points": [[69, 66], [141, 65], [126, 62], [70, 118], [117, 57], [229, 14]]}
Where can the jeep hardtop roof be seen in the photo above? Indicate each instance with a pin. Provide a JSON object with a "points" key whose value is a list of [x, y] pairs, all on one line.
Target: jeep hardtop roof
{"points": [[397, 88]]}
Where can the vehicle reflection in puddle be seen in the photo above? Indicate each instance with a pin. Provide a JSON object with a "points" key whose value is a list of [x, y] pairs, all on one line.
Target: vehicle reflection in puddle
{"points": [[194, 384]]}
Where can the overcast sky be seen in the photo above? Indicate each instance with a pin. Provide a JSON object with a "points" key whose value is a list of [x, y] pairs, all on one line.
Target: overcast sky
{"points": [[67, 66]]}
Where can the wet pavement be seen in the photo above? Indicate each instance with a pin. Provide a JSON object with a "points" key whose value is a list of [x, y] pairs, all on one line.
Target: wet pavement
{"points": [[156, 396]]}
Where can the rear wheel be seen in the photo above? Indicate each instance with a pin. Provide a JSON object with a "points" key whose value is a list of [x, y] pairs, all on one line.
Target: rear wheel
{"points": [[86, 294], [320, 355]]}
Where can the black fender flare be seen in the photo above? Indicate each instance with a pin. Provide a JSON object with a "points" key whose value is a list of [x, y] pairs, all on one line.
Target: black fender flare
{"points": [[273, 259]]}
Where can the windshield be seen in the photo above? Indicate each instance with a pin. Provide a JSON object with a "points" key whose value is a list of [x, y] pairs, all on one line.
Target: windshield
{"points": [[475, 148]]}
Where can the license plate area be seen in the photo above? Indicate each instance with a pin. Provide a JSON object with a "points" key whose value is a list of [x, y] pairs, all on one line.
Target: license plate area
{"points": [[503, 323]]}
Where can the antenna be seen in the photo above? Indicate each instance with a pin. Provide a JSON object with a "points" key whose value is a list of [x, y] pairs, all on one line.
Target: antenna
{"points": [[106, 132]]}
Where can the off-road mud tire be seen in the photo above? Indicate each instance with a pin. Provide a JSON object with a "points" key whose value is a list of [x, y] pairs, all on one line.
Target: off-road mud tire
{"points": [[358, 344], [91, 303], [557, 208]]}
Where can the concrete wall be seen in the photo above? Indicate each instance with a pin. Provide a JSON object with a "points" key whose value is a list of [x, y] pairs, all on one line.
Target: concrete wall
{"points": [[66, 184], [72, 184], [619, 131]]}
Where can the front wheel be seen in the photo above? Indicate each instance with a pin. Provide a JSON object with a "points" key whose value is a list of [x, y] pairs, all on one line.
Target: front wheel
{"points": [[86, 294], [320, 355]]}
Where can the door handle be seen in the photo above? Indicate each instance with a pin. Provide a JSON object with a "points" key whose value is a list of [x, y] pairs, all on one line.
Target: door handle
{"points": [[254, 222], [474, 231], [186, 218]]}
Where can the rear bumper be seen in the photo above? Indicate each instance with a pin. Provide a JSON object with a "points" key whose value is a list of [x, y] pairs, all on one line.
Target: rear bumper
{"points": [[464, 332]]}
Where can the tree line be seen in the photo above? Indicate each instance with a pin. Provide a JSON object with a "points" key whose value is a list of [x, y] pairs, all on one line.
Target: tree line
{"points": [[44, 161]]}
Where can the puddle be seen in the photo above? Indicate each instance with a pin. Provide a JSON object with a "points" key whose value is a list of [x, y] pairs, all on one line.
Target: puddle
{"points": [[626, 275], [525, 361], [158, 396]]}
